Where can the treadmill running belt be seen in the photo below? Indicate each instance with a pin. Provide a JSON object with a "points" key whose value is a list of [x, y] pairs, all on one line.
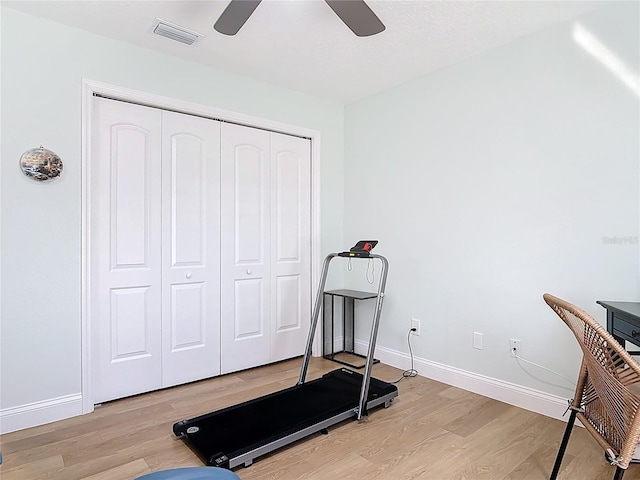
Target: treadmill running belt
{"points": [[241, 428]]}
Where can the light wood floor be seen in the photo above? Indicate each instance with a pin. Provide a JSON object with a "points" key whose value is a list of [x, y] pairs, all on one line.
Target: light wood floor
{"points": [[431, 431]]}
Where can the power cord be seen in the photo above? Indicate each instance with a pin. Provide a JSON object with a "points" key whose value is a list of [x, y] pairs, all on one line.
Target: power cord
{"points": [[412, 372], [518, 357], [371, 265]]}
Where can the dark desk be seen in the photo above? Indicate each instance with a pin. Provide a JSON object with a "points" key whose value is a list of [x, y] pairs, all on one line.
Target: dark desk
{"points": [[623, 320], [348, 328]]}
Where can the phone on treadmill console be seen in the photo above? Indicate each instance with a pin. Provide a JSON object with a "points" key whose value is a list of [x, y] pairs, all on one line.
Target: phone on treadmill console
{"points": [[361, 249]]}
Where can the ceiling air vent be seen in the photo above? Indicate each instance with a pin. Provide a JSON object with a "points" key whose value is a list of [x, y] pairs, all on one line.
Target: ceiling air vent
{"points": [[175, 32]]}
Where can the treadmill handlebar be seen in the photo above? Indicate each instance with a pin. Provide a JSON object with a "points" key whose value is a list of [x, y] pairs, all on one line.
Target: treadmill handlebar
{"points": [[374, 326]]}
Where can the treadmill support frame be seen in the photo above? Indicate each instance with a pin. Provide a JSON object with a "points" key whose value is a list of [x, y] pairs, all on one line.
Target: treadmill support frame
{"points": [[364, 392]]}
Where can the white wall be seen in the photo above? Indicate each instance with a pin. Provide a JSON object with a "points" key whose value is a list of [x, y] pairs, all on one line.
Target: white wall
{"points": [[487, 184], [493, 181], [42, 67]]}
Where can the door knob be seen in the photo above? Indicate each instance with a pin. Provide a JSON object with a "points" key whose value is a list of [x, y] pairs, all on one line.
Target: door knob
{"points": [[188, 275], [248, 271]]}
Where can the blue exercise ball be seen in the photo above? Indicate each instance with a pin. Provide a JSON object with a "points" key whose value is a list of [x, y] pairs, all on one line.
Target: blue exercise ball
{"points": [[192, 473]]}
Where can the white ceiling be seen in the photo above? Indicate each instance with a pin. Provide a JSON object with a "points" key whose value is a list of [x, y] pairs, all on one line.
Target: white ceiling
{"points": [[302, 45]]}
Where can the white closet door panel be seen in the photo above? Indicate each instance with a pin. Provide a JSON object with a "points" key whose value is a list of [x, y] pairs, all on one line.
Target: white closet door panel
{"points": [[130, 338], [287, 304], [188, 305], [248, 310], [291, 240], [191, 248], [130, 192], [125, 187], [245, 248]]}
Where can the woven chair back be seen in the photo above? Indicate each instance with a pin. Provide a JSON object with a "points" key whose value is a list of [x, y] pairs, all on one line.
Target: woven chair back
{"points": [[608, 384]]}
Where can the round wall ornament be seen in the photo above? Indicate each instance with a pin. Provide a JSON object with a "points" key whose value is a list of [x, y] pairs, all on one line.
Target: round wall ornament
{"points": [[41, 164]]}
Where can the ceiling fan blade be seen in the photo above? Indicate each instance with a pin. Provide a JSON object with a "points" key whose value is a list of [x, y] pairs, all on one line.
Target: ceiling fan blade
{"points": [[235, 16], [357, 15]]}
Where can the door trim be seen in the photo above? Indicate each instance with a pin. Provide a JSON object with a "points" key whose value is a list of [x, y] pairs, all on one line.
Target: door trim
{"points": [[91, 88]]}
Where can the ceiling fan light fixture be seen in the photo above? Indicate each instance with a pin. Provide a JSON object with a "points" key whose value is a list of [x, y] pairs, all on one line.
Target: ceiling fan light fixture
{"points": [[175, 32]]}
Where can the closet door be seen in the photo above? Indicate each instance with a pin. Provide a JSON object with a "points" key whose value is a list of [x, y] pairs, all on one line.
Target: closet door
{"points": [[155, 246], [190, 248], [126, 270], [265, 251], [291, 245], [245, 248]]}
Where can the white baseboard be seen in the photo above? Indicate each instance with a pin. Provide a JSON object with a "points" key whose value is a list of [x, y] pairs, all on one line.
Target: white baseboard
{"points": [[39, 413], [524, 397], [47, 411]]}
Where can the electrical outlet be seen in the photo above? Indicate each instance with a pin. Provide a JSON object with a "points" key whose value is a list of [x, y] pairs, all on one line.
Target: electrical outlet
{"points": [[415, 323], [514, 347]]}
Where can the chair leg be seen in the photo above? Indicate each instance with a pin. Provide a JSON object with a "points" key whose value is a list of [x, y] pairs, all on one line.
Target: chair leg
{"points": [[563, 445], [619, 473]]}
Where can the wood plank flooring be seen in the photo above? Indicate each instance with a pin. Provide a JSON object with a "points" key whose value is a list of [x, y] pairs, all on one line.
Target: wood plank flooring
{"points": [[431, 431]]}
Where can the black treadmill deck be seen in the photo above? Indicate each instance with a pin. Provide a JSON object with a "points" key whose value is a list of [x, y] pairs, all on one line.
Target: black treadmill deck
{"points": [[237, 434]]}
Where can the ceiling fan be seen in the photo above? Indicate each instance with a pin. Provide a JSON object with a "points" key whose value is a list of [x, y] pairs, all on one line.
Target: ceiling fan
{"points": [[356, 15]]}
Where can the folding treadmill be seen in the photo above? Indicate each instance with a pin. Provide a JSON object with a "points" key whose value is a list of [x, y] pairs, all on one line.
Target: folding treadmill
{"points": [[238, 434]]}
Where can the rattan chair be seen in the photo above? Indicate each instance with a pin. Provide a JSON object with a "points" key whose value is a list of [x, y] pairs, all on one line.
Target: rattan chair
{"points": [[606, 398]]}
